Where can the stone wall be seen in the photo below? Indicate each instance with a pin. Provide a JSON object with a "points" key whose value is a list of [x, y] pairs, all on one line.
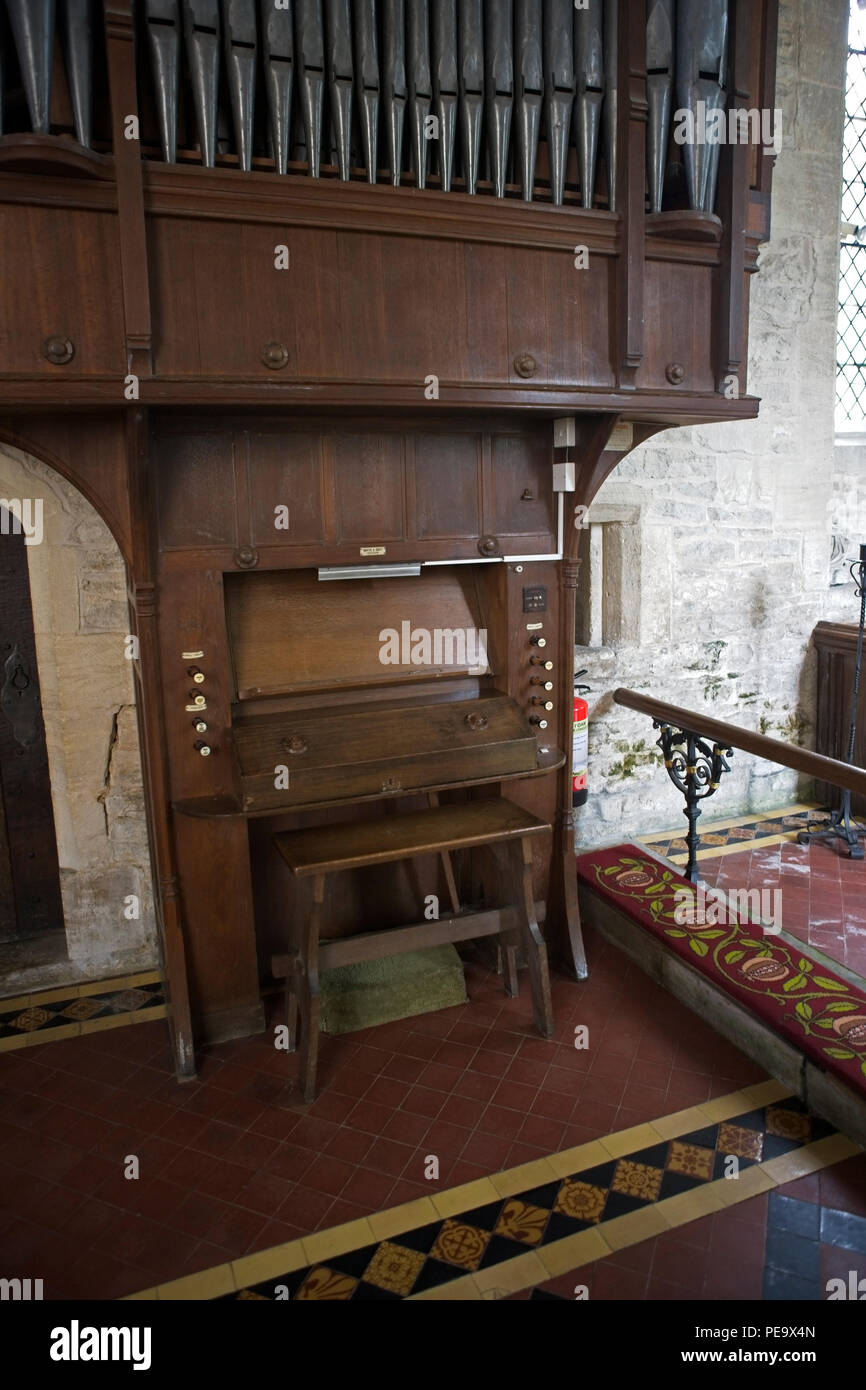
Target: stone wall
{"points": [[732, 537], [78, 591]]}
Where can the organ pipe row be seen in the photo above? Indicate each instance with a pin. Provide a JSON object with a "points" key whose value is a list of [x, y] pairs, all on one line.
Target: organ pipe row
{"points": [[464, 90]]}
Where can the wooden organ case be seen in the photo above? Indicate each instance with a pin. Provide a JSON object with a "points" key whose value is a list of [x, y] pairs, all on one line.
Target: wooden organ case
{"points": [[340, 314]]}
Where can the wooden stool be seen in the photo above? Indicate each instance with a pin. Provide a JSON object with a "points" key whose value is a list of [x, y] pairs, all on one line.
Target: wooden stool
{"points": [[331, 849]]}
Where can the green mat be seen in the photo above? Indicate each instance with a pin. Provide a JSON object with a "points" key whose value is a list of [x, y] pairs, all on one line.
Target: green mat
{"points": [[382, 991]]}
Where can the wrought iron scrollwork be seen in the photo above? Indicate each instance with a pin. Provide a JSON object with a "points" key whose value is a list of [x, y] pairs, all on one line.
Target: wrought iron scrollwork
{"points": [[696, 771]]}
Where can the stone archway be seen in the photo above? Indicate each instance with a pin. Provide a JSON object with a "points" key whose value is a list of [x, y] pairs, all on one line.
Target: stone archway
{"points": [[80, 621]]}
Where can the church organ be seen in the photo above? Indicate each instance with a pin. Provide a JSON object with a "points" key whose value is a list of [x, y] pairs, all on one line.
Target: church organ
{"points": [[339, 314]]}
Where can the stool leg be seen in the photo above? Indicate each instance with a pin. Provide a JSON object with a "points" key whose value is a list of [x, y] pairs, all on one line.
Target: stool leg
{"points": [[534, 946], [295, 968], [309, 984], [291, 1013], [508, 942]]}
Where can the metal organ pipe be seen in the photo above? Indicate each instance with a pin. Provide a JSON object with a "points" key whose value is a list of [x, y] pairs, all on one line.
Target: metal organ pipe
{"points": [[394, 67], [367, 81], [558, 88], [445, 84], [340, 79], [33, 30], [660, 82], [201, 36], [310, 51], [239, 25], [589, 63], [79, 65], [477, 71], [611, 96], [529, 84], [702, 44], [163, 32], [499, 85], [420, 82], [471, 75], [278, 55]]}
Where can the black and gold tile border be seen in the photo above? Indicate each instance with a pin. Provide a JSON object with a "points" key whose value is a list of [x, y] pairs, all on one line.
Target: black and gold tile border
{"points": [[735, 836], [71, 1010], [517, 1229]]}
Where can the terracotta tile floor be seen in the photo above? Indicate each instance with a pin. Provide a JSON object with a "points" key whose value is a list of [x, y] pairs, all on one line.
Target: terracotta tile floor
{"points": [[780, 1246], [823, 893], [234, 1163]]}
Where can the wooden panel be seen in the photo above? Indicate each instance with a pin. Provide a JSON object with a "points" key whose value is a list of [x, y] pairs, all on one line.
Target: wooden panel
{"points": [[357, 307], [370, 484], [673, 335], [447, 480], [221, 950], [196, 490], [375, 750], [285, 470], [61, 276], [290, 631], [522, 463]]}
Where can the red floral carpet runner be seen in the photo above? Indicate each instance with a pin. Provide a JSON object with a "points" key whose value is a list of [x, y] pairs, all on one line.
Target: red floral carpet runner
{"points": [[813, 1009]]}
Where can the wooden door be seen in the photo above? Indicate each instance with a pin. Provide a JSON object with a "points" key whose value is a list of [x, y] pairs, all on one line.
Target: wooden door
{"points": [[30, 902]]}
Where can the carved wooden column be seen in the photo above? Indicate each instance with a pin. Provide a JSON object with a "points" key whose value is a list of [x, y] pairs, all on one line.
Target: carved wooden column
{"points": [[120, 48], [151, 732], [632, 119], [732, 209], [563, 923]]}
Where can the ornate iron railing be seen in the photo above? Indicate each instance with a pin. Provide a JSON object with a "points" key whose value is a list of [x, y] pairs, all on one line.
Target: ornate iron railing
{"points": [[708, 742]]}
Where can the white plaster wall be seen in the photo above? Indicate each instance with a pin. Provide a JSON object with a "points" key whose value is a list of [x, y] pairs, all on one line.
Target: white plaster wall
{"points": [[734, 539], [78, 592]]}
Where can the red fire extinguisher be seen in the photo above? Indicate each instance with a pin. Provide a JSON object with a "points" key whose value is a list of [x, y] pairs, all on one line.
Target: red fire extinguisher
{"points": [[580, 745]]}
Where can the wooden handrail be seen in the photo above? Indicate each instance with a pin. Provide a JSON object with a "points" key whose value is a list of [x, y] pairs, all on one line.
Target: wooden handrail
{"points": [[852, 779]]}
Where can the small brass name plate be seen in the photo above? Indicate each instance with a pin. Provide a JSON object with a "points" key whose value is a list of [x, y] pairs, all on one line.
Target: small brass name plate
{"points": [[373, 550]]}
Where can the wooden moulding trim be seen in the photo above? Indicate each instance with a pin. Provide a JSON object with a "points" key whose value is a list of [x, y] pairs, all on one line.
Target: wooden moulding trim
{"points": [[62, 158], [56, 190], [835, 637], [685, 224], [223, 807], [668, 408], [226, 195], [331, 205]]}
